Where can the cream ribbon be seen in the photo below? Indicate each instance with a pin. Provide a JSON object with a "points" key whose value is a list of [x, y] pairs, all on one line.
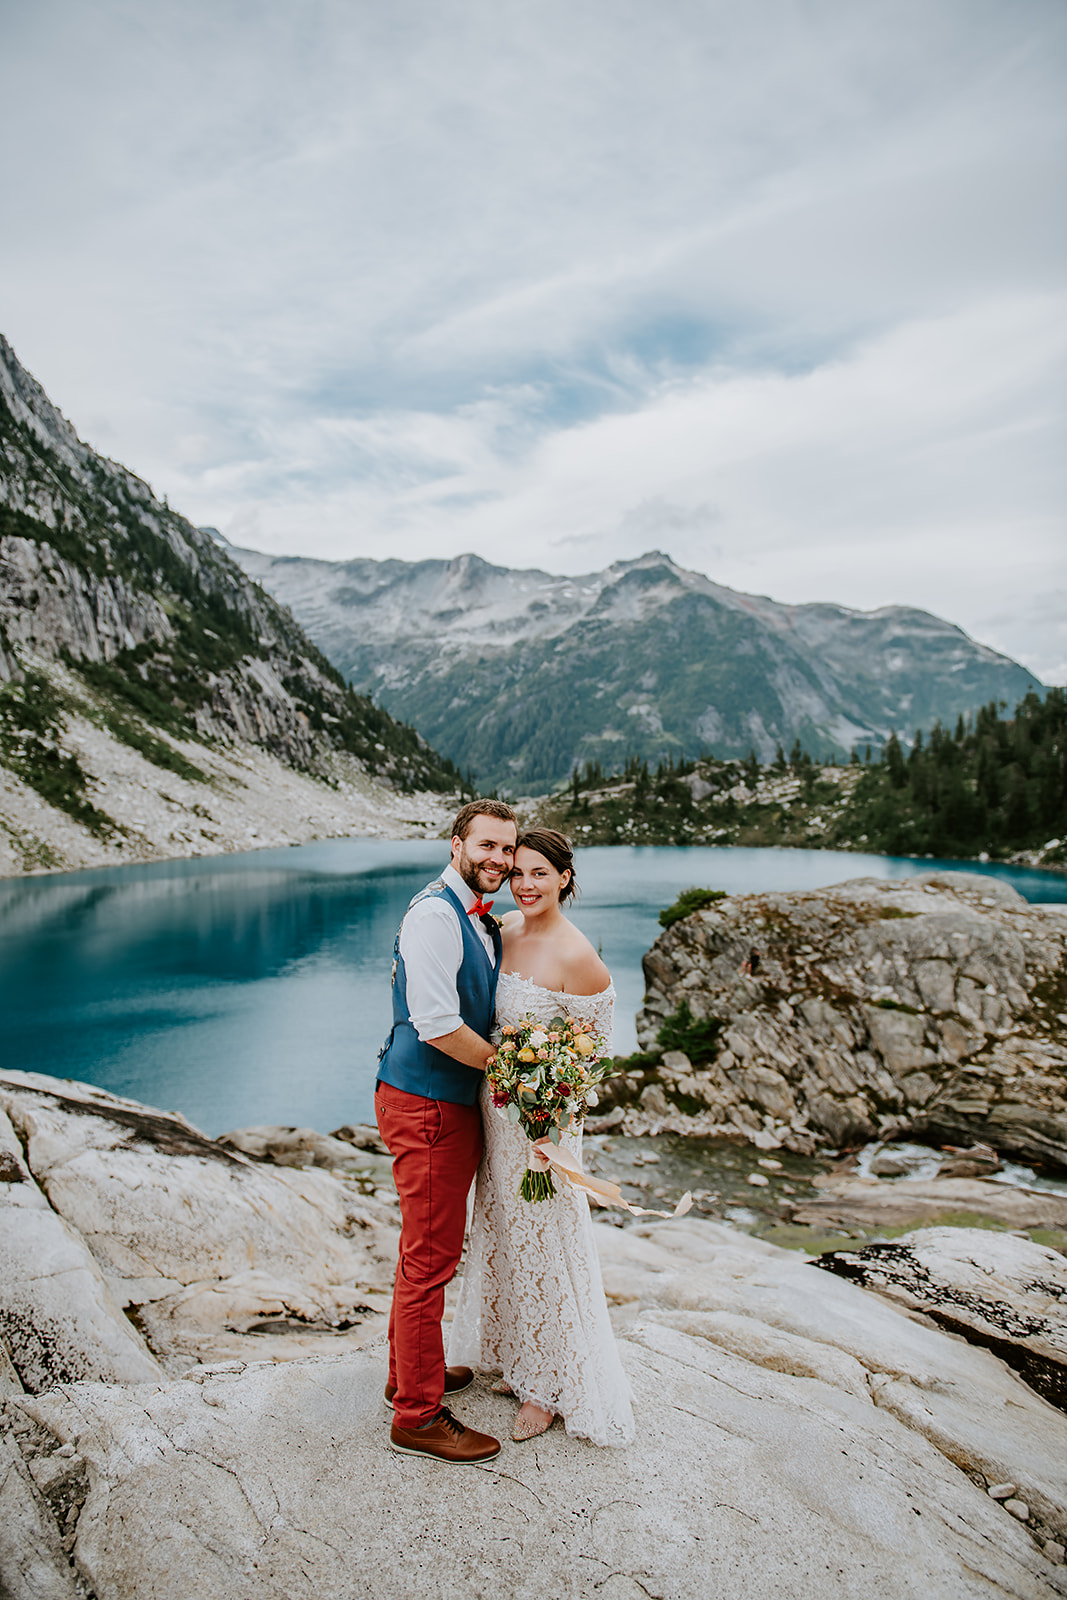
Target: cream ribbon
{"points": [[598, 1189]]}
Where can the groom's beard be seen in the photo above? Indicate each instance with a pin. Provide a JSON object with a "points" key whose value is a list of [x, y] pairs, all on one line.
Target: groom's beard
{"points": [[474, 877]]}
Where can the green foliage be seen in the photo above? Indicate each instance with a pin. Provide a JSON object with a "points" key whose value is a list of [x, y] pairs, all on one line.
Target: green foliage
{"points": [[894, 762], [688, 901], [639, 1061], [31, 731], [133, 733], [697, 1036], [993, 784]]}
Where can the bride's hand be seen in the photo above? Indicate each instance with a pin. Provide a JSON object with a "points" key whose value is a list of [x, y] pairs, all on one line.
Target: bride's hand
{"points": [[538, 1160]]}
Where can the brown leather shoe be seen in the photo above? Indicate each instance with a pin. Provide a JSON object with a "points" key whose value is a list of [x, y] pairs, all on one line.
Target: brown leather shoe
{"points": [[445, 1439], [456, 1380]]}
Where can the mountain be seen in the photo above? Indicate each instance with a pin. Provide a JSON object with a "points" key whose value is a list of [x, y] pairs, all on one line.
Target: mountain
{"points": [[523, 675], [134, 652]]}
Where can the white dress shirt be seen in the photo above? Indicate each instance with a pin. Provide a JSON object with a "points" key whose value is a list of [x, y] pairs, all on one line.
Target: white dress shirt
{"points": [[431, 946]]}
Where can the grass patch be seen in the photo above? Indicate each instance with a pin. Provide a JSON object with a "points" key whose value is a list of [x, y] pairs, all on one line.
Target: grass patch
{"points": [[688, 1104], [31, 730], [698, 1037], [798, 1236], [157, 751], [795, 1236], [33, 853], [688, 901], [638, 1062], [1054, 1238]]}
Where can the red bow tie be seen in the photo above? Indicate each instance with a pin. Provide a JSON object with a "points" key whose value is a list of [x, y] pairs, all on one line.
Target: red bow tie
{"points": [[480, 908]]}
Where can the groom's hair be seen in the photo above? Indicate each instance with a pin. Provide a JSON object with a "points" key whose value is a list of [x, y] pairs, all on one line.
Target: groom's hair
{"points": [[481, 808]]}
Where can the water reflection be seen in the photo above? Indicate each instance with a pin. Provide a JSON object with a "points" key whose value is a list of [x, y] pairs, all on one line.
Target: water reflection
{"points": [[255, 988]]}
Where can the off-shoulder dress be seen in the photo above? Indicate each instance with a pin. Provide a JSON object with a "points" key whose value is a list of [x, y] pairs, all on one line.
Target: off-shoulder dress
{"points": [[532, 1301]]}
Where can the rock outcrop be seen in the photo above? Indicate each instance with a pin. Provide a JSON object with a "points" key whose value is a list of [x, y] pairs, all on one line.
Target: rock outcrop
{"points": [[936, 1004], [844, 1200], [797, 1434], [173, 1248], [1007, 1294], [59, 1317]]}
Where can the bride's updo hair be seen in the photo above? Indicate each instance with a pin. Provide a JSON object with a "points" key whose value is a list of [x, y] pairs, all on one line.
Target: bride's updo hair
{"points": [[556, 849]]}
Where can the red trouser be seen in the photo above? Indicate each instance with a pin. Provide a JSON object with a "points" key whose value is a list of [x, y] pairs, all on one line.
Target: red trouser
{"points": [[436, 1147]]}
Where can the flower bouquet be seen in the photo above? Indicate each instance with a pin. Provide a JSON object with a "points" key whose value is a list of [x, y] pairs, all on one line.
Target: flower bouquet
{"points": [[543, 1077]]}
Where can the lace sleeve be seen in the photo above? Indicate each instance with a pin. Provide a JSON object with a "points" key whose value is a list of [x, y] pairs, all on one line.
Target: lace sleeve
{"points": [[599, 1011]]}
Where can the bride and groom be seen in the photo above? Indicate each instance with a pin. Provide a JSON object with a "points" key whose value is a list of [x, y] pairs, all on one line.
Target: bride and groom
{"points": [[531, 1302]]}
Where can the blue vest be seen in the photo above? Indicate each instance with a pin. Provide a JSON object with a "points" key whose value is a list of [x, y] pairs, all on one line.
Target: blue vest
{"points": [[404, 1061]]}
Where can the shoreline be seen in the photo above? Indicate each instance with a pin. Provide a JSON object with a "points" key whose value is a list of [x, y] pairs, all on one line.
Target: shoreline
{"points": [[440, 814]]}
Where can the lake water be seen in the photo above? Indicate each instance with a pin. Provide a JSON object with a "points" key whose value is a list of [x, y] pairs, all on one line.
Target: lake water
{"points": [[255, 988]]}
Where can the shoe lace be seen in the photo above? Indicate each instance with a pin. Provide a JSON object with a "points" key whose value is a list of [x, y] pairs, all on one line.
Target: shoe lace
{"points": [[452, 1423]]}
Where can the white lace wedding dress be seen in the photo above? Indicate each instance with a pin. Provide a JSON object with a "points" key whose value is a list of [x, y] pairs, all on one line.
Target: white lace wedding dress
{"points": [[531, 1301]]}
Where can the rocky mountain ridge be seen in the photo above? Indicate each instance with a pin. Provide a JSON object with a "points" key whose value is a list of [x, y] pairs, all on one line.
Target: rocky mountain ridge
{"points": [[522, 675], [127, 633]]}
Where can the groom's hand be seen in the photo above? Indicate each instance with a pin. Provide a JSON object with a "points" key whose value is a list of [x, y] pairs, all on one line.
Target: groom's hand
{"points": [[463, 1044]]}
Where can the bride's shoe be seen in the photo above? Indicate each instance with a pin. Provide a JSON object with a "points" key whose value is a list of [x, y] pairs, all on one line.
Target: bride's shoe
{"points": [[531, 1421], [501, 1386]]}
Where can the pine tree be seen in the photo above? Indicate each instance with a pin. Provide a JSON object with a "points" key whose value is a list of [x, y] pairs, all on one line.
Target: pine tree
{"points": [[894, 761]]}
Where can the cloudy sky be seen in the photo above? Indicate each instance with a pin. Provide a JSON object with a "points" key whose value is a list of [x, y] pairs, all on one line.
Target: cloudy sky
{"points": [[777, 288]]}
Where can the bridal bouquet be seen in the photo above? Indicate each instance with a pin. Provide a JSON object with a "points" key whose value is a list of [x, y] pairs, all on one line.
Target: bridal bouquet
{"points": [[543, 1077]]}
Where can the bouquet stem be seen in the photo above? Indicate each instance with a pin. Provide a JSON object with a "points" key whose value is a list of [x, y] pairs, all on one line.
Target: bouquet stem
{"points": [[536, 1185]]}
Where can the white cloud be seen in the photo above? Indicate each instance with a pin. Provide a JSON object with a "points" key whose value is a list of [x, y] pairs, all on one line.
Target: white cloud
{"points": [[566, 280]]}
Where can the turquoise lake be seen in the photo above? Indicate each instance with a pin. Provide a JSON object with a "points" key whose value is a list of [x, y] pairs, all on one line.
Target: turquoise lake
{"points": [[255, 988]]}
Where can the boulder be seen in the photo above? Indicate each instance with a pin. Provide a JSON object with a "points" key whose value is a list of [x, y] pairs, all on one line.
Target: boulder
{"points": [[1005, 1293], [362, 1135], [59, 1316], [180, 1248], [34, 1557], [293, 1147], [935, 1005]]}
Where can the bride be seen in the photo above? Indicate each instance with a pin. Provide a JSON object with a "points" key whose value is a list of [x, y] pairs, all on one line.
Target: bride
{"points": [[531, 1300]]}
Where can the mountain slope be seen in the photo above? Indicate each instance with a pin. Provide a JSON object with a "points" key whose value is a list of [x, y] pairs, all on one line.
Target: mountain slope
{"points": [[126, 632], [523, 675]]}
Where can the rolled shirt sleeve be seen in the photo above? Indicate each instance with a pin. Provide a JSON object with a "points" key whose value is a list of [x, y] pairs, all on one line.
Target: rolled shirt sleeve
{"points": [[431, 946]]}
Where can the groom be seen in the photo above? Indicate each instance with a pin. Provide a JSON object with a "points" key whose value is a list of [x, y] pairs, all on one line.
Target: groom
{"points": [[445, 965]]}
